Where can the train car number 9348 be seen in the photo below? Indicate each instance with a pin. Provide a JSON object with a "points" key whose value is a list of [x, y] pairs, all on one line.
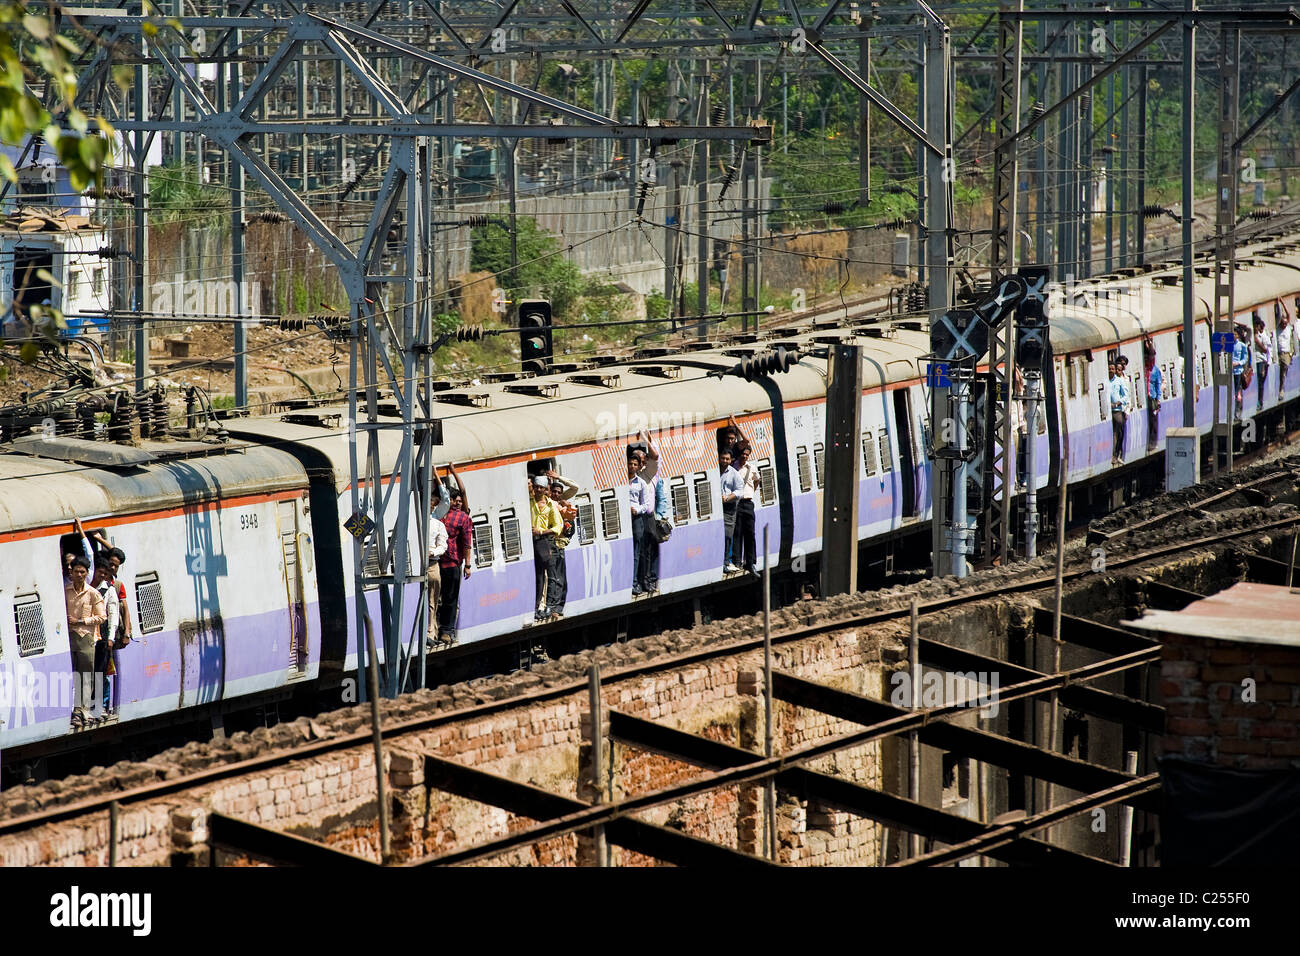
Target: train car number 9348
{"points": [[247, 521]]}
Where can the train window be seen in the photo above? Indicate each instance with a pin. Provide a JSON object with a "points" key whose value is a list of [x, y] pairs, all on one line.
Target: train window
{"points": [[886, 457], [1138, 390], [1041, 420], [1072, 377], [1101, 401], [819, 459], [511, 546], [481, 542], [703, 497], [1205, 371], [149, 602], [801, 461], [868, 453], [766, 482], [681, 497], [1085, 369], [30, 624], [586, 519], [610, 515]]}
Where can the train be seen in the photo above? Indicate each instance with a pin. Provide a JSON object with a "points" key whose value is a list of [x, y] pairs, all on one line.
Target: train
{"points": [[239, 570]]}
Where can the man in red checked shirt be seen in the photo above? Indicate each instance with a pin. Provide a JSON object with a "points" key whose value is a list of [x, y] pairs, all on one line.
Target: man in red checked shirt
{"points": [[454, 559]]}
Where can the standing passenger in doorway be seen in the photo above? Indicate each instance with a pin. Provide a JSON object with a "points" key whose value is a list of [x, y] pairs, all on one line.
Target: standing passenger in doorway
{"points": [[1154, 384], [454, 563], [437, 548], [1118, 413], [742, 481]]}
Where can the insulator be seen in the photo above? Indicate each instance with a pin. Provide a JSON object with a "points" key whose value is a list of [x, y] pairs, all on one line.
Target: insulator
{"points": [[291, 325], [1085, 102], [469, 333], [1151, 211], [727, 180], [642, 192], [270, 215], [477, 221], [1258, 214], [1036, 111], [894, 224], [112, 252], [798, 121], [718, 115], [833, 208]]}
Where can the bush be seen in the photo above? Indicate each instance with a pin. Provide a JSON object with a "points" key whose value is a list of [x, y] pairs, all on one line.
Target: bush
{"points": [[543, 271]]}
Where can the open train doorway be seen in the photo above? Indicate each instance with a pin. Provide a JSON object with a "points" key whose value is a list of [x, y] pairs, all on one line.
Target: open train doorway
{"points": [[906, 458]]}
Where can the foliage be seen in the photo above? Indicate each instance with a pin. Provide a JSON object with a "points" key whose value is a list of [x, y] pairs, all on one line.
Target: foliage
{"points": [[32, 54], [543, 270], [814, 173], [176, 192]]}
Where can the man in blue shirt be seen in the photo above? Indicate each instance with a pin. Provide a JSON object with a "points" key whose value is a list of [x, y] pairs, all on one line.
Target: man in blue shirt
{"points": [[1155, 382], [1240, 362], [1119, 401]]}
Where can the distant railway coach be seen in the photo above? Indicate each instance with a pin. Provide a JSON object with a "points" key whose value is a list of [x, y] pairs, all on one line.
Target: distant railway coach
{"points": [[240, 574]]}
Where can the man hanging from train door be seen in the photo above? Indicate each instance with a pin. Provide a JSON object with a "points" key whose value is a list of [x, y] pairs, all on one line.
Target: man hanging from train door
{"points": [[85, 613], [437, 548], [1154, 382], [1118, 412], [1287, 344], [455, 561], [544, 518]]}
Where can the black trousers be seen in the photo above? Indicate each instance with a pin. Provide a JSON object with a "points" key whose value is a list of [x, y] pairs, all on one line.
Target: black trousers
{"points": [[1118, 421], [642, 538], [543, 564], [744, 549], [557, 589], [450, 599]]}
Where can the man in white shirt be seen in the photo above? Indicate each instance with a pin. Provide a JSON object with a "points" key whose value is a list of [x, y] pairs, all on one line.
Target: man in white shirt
{"points": [[742, 482], [104, 584], [437, 548], [1286, 344]]}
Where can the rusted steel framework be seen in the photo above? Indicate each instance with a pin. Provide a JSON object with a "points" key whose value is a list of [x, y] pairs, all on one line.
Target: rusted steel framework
{"points": [[726, 766]]}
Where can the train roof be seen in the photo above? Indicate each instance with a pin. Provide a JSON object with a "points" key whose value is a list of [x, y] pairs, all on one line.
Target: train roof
{"points": [[151, 476], [610, 400]]}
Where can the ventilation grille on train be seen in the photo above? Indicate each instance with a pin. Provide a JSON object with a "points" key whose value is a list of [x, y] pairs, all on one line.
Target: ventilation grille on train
{"points": [[868, 453], [767, 483], [482, 543], [703, 498], [681, 504], [586, 522], [30, 623], [148, 596], [609, 517], [510, 542]]}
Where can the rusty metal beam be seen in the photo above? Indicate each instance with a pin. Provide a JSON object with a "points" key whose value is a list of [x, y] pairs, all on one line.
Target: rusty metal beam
{"points": [[1091, 634], [535, 803], [886, 808], [983, 746], [1090, 700], [1000, 836], [240, 836], [1166, 597]]}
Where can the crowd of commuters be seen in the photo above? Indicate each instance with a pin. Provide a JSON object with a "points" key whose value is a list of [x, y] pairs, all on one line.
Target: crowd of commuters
{"points": [[99, 625]]}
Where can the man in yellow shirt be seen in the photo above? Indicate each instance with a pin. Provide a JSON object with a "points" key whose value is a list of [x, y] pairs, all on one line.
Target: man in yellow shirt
{"points": [[85, 614], [544, 516]]}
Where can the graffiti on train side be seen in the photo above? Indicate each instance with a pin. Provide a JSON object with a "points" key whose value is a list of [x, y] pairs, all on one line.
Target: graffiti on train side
{"points": [[597, 569]]}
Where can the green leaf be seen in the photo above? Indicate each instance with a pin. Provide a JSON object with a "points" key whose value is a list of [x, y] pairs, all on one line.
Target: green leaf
{"points": [[39, 27], [45, 275], [77, 120], [67, 43], [149, 29], [7, 169], [29, 353]]}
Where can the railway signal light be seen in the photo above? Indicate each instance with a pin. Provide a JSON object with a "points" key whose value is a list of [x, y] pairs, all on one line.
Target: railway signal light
{"points": [[535, 345], [1031, 320]]}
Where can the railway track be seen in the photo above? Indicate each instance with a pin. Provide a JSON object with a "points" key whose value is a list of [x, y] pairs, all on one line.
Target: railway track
{"points": [[268, 761]]}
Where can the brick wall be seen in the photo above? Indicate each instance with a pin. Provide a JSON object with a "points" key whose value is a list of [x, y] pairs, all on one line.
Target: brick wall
{"points": [[1210, 716]]}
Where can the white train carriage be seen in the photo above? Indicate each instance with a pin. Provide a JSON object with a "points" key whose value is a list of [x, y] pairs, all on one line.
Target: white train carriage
{"points": [[219, 575]]}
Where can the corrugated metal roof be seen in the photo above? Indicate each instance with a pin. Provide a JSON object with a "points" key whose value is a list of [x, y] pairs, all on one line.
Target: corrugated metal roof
{"points": [[1246, 613]]}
